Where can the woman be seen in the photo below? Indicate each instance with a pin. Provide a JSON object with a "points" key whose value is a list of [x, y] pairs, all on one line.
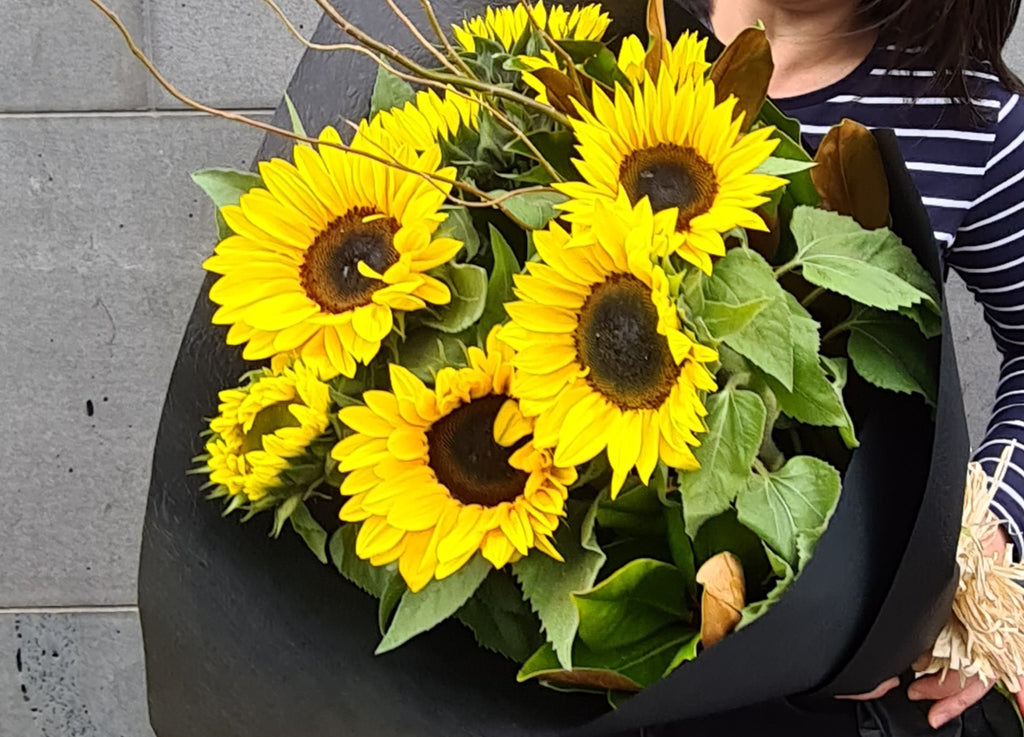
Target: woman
{"points": [[908, 65]]}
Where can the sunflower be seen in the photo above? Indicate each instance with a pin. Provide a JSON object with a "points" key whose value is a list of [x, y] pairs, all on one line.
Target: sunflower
{"points": [[687, 58], [601, 358], [668, 142], [437, 475], [263, 426], [325, 253], [428, 118], [507, 25]]}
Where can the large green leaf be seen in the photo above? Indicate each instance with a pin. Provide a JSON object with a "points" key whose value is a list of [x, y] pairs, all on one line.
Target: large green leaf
{"points": [[439, 600], [869, 266], [499, 289], [786, 575], [778, 166], [889, 350], [549, 585], [800, 497], [724, 320], [501, 620], [629, 668], [744, 276], [814, 399], [681, 548], [632, 604], [225, 187], [459, 225], [468, 285], [371, 579], [736, 421], [635, 511], [425, 351], [312, 533], [533, 209], [389, 92]]}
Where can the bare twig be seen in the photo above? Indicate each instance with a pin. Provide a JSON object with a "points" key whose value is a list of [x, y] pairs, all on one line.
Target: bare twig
{"points": [[445, 62], [556, 47], [428, 10]]}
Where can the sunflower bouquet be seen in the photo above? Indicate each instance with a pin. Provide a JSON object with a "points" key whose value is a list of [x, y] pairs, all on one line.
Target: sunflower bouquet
{"points": [[564, 342]]}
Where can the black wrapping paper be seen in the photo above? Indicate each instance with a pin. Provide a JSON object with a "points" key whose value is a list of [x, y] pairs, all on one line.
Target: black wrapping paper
{"points": [[248, 636]]}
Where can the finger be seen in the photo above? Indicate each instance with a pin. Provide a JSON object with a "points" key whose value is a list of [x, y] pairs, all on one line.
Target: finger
{"points": [[879, 692], [953, 706], [1019, 697], [935, 687]]}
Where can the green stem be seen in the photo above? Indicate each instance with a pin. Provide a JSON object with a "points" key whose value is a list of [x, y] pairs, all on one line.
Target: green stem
{"points": [[812, 297], [761, 468], [786, 268], [837, 330]]}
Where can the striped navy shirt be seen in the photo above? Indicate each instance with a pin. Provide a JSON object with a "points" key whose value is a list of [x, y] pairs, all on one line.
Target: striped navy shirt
{"points": [[971, 177]]}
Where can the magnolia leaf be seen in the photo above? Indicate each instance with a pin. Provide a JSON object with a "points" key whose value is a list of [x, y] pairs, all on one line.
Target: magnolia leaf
{"points": [[628, 669], [736, 424], [389, 92], [548, 584], [850, 175], [293, 114], [468, 284], [869, 266], [723, 597], [459, 226], [725, 533], [743, 276], [424, 610], [563, 93], [310, 531], [889, 351], [533, 209], [657, 33], [635, 602], [798, 498], [501, 620], [723, 319], [499, 289], [426, 351], [744, 70], [371, 579], [225, 187]]}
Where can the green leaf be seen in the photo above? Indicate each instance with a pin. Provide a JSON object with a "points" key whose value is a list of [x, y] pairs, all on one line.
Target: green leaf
{"points": [[499, 288], [371, 579], [889, 351], [393, 594], [726, 533], [426, 351], [534, 209], [778, 166], [389, 92], [839, 370], [629, 668], [501, 620], [814, 399], [633, 603], [548, 585], [284, 512], [310, 531], [869, 266], [798, 498], [293, 114], [459, 226], [681, 548], [468, 284], [685, 654], [225, 187], [724, 320], [786, 575], [736, 424], [740, 277], [422, 611], [636, 511]]}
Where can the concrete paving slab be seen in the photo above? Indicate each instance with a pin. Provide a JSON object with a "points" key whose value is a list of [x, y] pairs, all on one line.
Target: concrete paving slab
{"points": [[66, 56], [231, 53], [103, 245], [72, 675]]}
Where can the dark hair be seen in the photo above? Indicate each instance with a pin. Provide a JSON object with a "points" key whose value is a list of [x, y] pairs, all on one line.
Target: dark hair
{"points": [[956, 36]]}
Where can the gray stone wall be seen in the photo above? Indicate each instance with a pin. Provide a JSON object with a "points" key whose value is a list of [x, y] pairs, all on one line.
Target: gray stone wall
{"points": [[101, 237]]}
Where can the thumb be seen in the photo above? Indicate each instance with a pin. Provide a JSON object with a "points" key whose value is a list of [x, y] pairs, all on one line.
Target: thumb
{"points": [[1019, 698]]}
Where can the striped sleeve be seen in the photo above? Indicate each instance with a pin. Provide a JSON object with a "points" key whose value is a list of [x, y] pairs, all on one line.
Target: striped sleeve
{"points": [[988, 253]]}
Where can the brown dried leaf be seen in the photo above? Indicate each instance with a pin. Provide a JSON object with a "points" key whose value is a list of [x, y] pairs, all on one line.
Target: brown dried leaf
{"points": [[850, 175], [744, 69], [587, 678], [657, 32], [723, 599], [561, 91]]}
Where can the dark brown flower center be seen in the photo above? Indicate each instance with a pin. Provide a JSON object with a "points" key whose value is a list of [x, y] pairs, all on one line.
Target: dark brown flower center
{"points": [[617, 339], [267, 421], [330, 274], [671, 176], [465, 458]]}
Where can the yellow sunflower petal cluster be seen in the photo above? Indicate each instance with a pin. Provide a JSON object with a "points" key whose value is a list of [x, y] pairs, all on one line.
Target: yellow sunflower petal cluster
{"points": [[429, 118], [602, 360], [325, 253], [670, 143], [507, 25], [686, 59], [263, 426], [437, 475]]}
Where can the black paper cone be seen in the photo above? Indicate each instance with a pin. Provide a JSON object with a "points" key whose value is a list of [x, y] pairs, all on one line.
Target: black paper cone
{"points": [[252, 637]]}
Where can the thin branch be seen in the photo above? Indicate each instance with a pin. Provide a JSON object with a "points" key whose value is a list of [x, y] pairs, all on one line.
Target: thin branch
{"points": [[295, 32], [428, 10], [420, 38], [556, 47]]}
